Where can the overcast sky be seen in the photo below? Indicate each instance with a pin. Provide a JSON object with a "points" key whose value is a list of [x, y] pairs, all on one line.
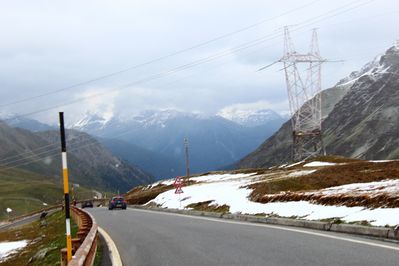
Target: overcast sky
{"points": [[48, 45]]}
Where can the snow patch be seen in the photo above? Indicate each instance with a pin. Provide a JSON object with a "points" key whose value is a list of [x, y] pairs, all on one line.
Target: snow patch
{"points": [[382, 161], [317, 164], [8, 248], [294, 164], [300, 173], [221, 177], [385, 186]]}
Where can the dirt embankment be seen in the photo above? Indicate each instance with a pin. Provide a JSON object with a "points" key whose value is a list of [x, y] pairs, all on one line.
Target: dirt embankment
{"points": [[142, 195]]}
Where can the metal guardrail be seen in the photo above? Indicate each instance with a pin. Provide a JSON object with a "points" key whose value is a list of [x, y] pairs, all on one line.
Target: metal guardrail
{"points": [[84, 246]]}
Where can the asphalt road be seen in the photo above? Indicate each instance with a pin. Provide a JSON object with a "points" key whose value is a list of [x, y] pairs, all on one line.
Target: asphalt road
{"points": [[23, 221], [156, 238]]}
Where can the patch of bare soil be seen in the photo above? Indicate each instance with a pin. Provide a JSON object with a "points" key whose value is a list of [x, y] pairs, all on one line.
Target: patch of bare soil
{"points": [[206, 206]]}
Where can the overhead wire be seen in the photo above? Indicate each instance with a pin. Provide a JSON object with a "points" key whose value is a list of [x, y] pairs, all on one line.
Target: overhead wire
{"points": [[250, 46], [262, 38], [161, 57], [206, 59]]}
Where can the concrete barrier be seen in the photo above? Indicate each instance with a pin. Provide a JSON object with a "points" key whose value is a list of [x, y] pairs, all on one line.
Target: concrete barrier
{"points": [[378, 232]]}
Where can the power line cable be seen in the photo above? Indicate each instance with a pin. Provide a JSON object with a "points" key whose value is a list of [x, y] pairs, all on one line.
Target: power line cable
{"points": [[197, 62], [5, 160], [160, 58], [242, 47]]}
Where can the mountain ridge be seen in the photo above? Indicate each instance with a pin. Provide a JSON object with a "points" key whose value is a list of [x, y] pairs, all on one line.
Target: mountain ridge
{"points": [[362, 123], [214, 141], [89, 163]]}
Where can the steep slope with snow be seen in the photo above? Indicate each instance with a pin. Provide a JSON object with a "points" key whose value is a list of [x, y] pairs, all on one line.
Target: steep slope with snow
{"points": [[251, 118], [363, 123], [312, 190]]}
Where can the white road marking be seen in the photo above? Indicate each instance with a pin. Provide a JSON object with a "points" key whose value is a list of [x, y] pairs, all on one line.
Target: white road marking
{"points": [[113, 250], [364, 242]]}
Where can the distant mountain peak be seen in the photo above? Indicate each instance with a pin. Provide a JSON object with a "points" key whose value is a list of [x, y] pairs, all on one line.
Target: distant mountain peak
{"points": [[248, 117], [14, 120], [91, 120], [378, 66]]}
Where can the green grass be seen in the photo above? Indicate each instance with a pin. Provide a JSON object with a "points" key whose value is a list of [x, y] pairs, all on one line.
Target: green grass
{"points": [[24, 192], [51, 236], [99, 253]]}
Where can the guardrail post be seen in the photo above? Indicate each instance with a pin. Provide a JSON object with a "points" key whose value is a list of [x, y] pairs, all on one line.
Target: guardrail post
{"points": [[64, 260]]}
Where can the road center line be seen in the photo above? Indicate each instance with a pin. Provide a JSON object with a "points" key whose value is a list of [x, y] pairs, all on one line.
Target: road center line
{"points": [[363, 242]]}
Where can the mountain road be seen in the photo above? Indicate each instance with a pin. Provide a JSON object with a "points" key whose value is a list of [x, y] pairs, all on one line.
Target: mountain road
{"points": [[156, 238]]}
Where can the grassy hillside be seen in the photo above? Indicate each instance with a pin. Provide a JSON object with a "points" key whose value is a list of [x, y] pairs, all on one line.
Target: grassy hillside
{"points": [[91, 165], [50, 238], [24, 192]]}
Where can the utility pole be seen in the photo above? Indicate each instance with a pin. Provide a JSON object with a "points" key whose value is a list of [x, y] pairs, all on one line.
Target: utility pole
{"points": [[66, 188], [187, 159]]}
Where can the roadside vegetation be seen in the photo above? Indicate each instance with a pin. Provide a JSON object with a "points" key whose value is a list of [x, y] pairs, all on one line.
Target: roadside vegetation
{"points": [[44, 241], [24, 192]]}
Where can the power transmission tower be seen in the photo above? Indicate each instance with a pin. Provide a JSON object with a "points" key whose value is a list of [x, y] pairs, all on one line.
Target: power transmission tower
{"points": [[187, 159], [303, 78]]}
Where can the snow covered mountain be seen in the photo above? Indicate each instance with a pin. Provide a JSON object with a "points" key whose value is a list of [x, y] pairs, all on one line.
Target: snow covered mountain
{"points": [[214, 141], [24, 122], [250, 118]]}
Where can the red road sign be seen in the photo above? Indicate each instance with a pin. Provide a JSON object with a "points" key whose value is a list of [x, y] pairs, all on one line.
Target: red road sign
{"points": [[178, 184]]}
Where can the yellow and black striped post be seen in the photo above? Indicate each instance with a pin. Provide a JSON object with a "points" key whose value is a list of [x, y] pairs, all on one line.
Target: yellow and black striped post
{"points": [[66, 188]]}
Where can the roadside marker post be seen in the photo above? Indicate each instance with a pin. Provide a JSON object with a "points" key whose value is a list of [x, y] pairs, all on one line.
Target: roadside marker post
{"points": [[66, 188]]}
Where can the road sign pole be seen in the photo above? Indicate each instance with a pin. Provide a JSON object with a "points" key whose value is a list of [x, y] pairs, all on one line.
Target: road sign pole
{"points": [[66, 188], [178, 185]]}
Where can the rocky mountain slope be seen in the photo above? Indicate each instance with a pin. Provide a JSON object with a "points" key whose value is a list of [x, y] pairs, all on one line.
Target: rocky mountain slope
{"points": [[89, 163], [361, 120]]}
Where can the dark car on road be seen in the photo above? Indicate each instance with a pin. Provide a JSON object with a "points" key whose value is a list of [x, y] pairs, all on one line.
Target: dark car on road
{"points": [[87, 204], [117, 202]]}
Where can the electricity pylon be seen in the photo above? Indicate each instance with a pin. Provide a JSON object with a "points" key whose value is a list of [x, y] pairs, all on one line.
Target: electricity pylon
{"points": [[303, 78]]}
